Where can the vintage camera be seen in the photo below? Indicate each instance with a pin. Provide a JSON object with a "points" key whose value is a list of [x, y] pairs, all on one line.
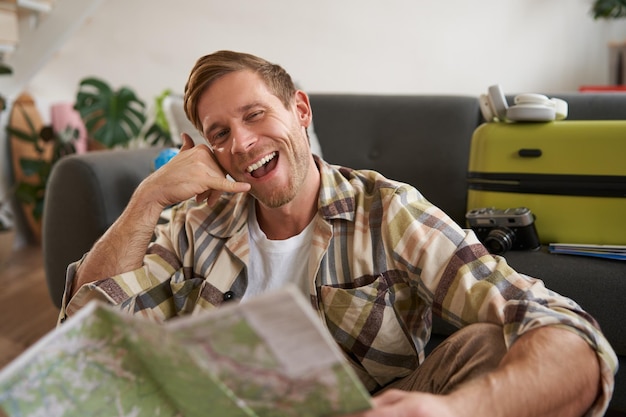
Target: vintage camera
{"points": [[502, 230]]}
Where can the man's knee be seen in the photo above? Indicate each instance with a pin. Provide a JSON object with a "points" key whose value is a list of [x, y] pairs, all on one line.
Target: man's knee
{"points": [[464, 355]]}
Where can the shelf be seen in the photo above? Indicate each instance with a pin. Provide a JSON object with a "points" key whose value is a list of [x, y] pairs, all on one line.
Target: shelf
{"points": [[41, 6], [602, 88]]}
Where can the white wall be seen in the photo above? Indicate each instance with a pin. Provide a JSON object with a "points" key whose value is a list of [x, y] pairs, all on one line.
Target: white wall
{"points": [[392, 46], [373, 46]]}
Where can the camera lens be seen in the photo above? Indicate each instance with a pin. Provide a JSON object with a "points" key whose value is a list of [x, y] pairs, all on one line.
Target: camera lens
{"points": [[499, 240]]}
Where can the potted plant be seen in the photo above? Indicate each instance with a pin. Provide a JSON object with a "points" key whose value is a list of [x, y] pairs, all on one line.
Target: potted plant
{"points": [[47, 147], [111, 117], [159, 131], [613, 9], [116, 117]]}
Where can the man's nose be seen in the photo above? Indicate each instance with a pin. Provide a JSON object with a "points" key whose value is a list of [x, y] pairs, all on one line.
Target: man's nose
{"points": [[242, 140]]}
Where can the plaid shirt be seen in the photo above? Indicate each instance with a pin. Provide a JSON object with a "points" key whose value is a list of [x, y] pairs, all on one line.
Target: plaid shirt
{"points": [[382, 260]]}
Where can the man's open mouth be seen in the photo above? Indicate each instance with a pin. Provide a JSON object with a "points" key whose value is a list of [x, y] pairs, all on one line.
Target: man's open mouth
{"points": [[263, 166]]}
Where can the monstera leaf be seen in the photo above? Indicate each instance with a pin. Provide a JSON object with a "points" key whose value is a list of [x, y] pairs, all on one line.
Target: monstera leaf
{"points": [[111, 117]]}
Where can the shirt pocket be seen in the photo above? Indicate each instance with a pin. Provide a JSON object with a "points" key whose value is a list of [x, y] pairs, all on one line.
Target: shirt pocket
{"points": [[365, 322]]}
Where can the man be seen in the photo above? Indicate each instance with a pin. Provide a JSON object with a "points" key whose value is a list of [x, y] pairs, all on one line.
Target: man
{"points": [[379, 259]]}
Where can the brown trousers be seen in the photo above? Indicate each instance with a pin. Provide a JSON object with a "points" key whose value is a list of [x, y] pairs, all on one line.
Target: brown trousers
{"points": [[469, 352]]}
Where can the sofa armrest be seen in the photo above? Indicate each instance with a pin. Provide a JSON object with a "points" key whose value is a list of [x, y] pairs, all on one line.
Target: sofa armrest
{"points": [[85, 195]]}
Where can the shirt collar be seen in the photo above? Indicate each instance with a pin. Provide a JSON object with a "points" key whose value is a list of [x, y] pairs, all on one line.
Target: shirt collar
{"points": [[337, 196]]}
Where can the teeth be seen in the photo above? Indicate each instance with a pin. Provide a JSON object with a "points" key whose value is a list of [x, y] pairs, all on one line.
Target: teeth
{"points": [[262, 162]]}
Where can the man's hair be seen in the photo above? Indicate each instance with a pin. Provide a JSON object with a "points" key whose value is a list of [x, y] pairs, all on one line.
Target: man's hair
{"points": [[213, 66]]}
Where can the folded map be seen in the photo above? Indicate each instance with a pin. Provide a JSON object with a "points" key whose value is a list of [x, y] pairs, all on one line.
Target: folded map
{"points": [[269, 356]]}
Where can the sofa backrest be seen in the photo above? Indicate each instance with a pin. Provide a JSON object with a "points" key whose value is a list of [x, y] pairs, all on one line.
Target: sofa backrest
{"points": [[421, 140], [593, 106]]}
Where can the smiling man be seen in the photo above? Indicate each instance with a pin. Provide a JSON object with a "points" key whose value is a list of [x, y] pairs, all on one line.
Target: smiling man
{"points": [[375, 258], [260, 140]]}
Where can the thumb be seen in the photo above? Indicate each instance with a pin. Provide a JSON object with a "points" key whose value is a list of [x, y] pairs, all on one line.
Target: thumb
{"points": [[187, 142]]}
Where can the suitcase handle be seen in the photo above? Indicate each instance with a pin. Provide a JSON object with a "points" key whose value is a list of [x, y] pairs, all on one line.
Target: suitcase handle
{"points": [[529, 153]]}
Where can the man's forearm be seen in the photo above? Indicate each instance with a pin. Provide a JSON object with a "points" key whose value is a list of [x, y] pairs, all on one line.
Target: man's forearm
{"points": [[547, 359], [123, 245]]}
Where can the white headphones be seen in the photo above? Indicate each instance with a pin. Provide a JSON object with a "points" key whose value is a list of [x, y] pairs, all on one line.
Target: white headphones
{"points": [[529, 107]]}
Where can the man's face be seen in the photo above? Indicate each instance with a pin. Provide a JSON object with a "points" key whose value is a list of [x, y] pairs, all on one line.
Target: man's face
{"points": [[255, 138]]}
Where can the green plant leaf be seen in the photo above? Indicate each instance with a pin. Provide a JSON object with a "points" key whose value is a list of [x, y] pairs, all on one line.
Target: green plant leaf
{"points": [[111, 117], [29, 193], [29, 122], [33, 166], [157, 136], [38, 208], [5, 69], [21, 135], [159, 118], [31, 137], [609, 9], [32, 194]]}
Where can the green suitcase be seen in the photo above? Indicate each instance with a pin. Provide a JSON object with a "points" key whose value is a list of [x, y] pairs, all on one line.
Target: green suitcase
{"points": [[570, 174]]}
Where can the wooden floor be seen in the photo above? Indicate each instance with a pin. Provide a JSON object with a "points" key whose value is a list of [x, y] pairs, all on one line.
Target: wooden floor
{"points": [[26, 310]]}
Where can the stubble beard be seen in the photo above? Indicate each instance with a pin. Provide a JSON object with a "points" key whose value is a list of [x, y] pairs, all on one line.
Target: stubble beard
{"points": [[298, 162]]}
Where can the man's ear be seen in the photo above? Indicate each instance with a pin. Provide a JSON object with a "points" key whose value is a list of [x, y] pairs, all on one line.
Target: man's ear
{"points": [[303, 108]]}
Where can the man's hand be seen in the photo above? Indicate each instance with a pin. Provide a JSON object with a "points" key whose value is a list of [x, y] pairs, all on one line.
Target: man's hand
{"points": [[194, 172], [396, 403]]}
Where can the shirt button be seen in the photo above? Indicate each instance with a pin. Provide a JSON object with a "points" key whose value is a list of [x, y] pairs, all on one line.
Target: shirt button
{"points": [[229, 295]]}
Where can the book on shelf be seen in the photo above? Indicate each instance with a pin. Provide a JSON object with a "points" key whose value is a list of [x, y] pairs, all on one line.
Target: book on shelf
{"points": [[269, 356]]}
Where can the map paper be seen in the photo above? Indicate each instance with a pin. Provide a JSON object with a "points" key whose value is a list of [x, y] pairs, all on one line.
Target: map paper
{"points": [[267, 357]]}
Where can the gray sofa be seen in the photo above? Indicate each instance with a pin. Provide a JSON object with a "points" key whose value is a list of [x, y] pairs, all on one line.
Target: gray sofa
{"points": [[421, 140]]}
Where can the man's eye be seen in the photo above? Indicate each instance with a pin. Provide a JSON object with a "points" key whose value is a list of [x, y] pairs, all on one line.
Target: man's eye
{"points": [[255, 115], [219, 137]]}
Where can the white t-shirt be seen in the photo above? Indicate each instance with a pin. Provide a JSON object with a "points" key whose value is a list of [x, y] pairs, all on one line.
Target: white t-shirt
{"points": [[275, 263]]}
